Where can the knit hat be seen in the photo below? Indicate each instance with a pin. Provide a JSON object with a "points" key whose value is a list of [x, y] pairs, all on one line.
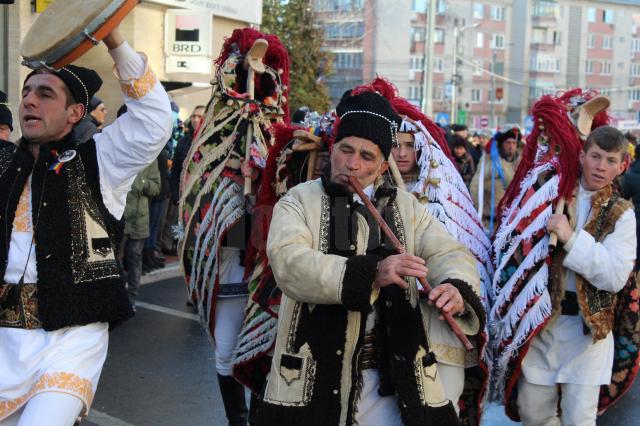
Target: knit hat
{"points": [[5, 112], [370, 116], [509, 133], [83, 83]]}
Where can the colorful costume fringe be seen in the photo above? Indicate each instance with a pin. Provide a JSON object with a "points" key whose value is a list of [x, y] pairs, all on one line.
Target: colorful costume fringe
{"points": [[285, 168], [212, 199]]}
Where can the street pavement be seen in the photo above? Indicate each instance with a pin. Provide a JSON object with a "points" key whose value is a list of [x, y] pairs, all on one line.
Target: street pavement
{"points": [[160, 369]]}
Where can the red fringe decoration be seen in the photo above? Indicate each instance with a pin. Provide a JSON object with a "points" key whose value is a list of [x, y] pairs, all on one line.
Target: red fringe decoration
{"points": [[403, 107], [551, 112], [276, 57]]}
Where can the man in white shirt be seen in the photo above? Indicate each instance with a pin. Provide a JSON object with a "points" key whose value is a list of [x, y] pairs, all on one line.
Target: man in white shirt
{"points": [[575, 351], [61, 202]]}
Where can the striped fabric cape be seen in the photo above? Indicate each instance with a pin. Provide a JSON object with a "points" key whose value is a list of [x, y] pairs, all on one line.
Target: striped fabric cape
{"points": [[285, 168], [211, 192]]}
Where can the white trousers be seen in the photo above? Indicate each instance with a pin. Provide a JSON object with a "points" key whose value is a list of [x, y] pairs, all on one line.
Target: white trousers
{"points": [[453, 383], [538, 405], [373, 409], [229, 317], [47, 408]]}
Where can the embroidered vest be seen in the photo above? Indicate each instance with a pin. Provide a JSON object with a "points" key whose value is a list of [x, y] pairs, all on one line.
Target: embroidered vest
{"points": [[74, 233], [596, 306]]}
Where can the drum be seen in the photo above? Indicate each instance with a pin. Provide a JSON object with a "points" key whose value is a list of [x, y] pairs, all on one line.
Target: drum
{"points": [[68, 28]]}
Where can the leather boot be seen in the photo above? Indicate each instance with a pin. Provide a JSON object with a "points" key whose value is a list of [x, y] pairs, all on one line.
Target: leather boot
{"points": [[233, 400]]}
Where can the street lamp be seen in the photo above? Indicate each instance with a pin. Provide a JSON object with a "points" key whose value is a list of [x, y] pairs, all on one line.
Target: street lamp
{"points": [[457, 32]]}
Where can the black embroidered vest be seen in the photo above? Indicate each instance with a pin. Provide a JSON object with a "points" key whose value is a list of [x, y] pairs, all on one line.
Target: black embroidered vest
{"points": [[74, 233]]}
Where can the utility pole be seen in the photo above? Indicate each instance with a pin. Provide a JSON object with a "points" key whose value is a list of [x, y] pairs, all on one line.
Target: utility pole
{"points": [[494, 125], [454, 75], [427, 63]]}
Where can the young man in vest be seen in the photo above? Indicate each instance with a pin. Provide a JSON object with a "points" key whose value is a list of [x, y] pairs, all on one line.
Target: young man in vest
{"points": [[575, 351], [60, 203]]}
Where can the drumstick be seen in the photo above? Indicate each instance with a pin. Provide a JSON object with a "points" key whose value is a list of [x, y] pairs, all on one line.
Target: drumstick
{"points": [[553, 238], [398, 246]]}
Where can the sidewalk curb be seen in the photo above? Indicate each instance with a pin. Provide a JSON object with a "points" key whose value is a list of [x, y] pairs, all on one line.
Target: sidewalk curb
{"points": [[171, 270]]}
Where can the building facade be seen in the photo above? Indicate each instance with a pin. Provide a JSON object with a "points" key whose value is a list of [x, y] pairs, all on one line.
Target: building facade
{"points": [[145, 29], [492, 59]]}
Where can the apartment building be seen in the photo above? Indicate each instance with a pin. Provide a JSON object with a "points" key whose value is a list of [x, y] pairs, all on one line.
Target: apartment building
{"points": [[509, 52], [589, 44]]}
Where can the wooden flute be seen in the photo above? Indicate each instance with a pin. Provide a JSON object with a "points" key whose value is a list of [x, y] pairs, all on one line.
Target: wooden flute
{"points": [[400, 248]]}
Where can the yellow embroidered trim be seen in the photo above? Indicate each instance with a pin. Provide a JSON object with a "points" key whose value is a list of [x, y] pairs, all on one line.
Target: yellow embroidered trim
{"points": [[55, 382], [22, 219], [452, 355], [138, 88]]}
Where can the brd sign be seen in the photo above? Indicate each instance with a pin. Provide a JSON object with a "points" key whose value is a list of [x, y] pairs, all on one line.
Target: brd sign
{"points": [[187, 32]]}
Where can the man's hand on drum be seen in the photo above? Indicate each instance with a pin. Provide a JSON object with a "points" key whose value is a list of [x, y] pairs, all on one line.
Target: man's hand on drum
{"points": [[114, 38], [447, 298], [394, 268]]}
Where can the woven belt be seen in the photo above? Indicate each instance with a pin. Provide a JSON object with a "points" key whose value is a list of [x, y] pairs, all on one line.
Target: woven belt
{"points": [[19, 306], [369, 353]]}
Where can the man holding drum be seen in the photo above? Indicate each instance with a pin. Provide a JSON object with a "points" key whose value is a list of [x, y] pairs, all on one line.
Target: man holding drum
{"points": [[60, 203]]}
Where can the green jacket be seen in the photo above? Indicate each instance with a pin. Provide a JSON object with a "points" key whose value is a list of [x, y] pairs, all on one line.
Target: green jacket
{"points": [[136, 212]]}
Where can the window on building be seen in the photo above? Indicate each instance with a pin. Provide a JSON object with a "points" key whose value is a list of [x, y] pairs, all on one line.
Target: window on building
{"points": [[439, 35], [490, 96], [417, 63], [634, 95], [417, 34], [419, 6], [608, 16], [591, 14], [591, 41], [478, 11], [347, 60], [538, 35], [438, 65], [415, 93], [441, 7], [546, 9], [476, 96], [545, 63], [479, 39], [497, 13], [344, 30], [607, 42], [588, 67], [477, 67], [635, 70], [556, 38], [336, 5], [635, 45], [438, 93], [497, 41], [605, 91], [606, 68]]}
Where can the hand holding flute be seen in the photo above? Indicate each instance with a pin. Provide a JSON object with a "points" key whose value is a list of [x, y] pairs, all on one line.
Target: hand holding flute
{"points": [[407, 265]]}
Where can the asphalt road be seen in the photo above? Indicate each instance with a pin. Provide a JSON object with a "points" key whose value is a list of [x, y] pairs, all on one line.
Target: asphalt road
{"points": [[160, 370]]}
